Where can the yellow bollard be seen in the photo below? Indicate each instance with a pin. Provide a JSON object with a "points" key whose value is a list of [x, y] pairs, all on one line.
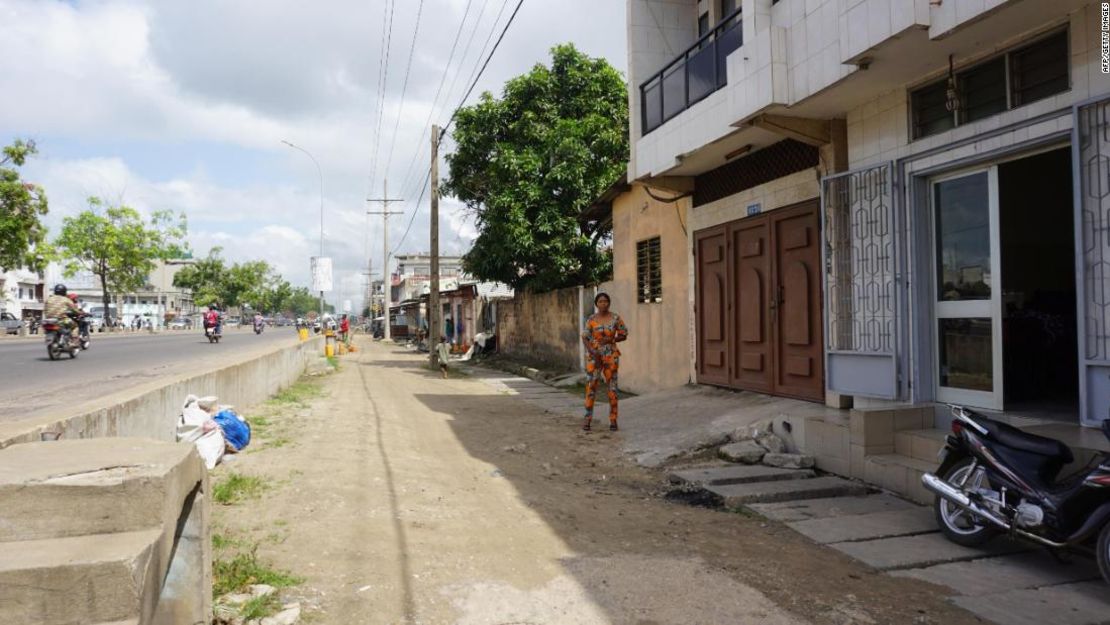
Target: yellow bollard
{"points": [[329, 350], [303, 333]]}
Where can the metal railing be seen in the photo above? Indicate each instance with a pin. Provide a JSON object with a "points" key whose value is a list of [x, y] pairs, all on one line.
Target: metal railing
{"points": [[692, 76]]}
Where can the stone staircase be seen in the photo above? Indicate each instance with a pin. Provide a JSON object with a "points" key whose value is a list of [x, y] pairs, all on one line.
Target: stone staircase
{"points": [[741, 485], [104, 531]]}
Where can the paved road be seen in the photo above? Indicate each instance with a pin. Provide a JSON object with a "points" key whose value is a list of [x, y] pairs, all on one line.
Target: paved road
{"points": [[31, 384]]}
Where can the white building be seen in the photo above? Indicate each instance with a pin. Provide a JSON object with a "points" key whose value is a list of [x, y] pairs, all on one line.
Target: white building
{"points": [[890, 201], [21, 293]]}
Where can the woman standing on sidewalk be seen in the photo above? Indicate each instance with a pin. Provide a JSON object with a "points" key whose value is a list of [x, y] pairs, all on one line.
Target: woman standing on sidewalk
{"points": [[604, 329]]}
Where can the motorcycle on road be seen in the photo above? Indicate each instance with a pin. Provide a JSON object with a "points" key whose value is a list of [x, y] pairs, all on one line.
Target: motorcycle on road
{"points": [[258, 327], [996, 479], [59, 340], [212, 333]]}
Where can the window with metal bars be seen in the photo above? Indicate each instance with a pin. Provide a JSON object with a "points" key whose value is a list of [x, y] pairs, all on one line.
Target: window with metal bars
{"points": [[1016, 78], [649, 272]]}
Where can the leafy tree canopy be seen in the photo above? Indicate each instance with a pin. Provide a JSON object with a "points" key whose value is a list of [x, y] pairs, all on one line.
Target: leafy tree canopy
{"points": [[526, 165], [118, 246], [251, 284], [22, 204]]}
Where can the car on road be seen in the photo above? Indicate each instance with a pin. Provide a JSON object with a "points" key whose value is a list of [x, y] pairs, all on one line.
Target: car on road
{"points": [[181, 324], [233, 321], [9, 323]]}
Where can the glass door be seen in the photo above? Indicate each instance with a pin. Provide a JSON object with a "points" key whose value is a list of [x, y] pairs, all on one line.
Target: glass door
{"points": [[968, 289]]}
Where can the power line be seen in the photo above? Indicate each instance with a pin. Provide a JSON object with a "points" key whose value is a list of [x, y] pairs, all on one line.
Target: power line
{"points": [[415, 211], [404, 85], [500, 38], [381, 93], [435, 101], [477, 77]]}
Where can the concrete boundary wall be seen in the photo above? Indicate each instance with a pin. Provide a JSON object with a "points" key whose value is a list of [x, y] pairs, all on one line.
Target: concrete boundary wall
{"points": [[152, 411]]}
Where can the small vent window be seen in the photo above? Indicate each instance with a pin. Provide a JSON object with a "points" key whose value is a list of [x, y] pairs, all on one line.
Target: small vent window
{"points": [[649, 272]]}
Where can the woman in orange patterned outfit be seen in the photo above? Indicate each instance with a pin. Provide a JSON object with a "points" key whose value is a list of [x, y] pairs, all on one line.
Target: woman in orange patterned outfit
{"points": [[604, 329]]}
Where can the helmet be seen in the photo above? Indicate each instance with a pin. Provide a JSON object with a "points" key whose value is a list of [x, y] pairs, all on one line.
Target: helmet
{"points": [[59, 289], [73, 296]]}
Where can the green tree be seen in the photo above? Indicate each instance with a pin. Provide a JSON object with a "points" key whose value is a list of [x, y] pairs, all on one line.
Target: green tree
{"points": [[526, 165], [203, 278], [116, 245], [22, 204]]}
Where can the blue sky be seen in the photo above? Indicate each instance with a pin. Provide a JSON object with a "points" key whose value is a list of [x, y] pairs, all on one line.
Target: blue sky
{"points": [[183, 105]]}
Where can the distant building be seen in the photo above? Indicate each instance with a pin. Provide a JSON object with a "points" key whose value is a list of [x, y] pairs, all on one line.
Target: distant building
{"points": [[22, 293]]}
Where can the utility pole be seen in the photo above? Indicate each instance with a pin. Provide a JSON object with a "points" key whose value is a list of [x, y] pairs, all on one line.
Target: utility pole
{"points": [[387, 294], [435, 325]]}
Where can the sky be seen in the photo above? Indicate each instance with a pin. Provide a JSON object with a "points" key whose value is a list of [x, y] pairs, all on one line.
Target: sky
{"points": [[184, 106]]}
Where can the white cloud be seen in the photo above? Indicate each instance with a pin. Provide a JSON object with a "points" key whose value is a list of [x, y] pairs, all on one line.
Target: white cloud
{"points": [[123, 95]]}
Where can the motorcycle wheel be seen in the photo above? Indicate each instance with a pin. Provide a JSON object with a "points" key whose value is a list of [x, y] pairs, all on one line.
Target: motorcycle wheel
{"points": [[50, 351], [73, 353], [958, 525], [1104, 552]]}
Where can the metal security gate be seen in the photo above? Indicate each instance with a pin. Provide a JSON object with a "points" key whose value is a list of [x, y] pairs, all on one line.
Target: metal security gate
{"points": [[861, 259], [1091, 162]]}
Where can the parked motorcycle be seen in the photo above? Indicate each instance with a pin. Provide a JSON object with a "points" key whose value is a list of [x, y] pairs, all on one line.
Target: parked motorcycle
{"points": [[59, 340], [995, 479]]}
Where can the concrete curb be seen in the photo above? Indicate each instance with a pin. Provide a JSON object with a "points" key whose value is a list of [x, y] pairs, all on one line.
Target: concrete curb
{"points": [[151, 411]]}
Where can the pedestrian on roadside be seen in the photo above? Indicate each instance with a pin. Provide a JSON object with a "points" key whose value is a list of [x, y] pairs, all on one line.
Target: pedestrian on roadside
{"points": [[604, 329], [345, 329], [443, 352]]}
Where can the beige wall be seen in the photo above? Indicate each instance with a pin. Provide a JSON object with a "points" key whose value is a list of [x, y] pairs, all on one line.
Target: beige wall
{"points": [[542, 327], [657, 354]]}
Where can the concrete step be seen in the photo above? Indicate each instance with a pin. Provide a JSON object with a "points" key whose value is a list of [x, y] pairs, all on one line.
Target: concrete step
{"points": [[93, 486], [82, 579], [916, 520], [831, 507], [919, 444], [735, 474], [900, 474], [735, 495]]}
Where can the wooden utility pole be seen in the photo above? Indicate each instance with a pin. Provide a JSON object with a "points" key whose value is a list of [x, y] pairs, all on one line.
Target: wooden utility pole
{"points": [[435, 325], [387, 293]]}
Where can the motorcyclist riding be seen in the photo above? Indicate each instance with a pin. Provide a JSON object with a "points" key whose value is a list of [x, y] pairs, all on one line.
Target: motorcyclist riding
{"points": [[82, 321], [59, 306], [212, 318]]}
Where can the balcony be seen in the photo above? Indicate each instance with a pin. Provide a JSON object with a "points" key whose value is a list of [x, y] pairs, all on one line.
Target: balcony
{"points": [[692, 76]]}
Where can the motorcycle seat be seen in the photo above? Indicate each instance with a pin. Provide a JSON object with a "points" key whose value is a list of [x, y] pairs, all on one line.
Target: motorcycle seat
{"points": [[1014, 438]]}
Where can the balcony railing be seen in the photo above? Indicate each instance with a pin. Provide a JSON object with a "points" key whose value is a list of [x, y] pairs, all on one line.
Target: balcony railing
{"points": [[693, 75]]}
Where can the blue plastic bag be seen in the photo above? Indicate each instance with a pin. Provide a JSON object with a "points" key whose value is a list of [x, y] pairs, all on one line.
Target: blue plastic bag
{"points": [[236, 430]]}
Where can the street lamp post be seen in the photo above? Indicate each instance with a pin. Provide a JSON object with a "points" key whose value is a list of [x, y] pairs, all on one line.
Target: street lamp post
{"points": [[320, 173]]}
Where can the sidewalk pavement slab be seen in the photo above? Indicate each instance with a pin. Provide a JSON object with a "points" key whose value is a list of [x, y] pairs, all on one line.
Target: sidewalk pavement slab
{"points": [[785, 490], [905, 552], [996, 575], [1085, 603], [868, 526], [735, 474], [787, 511]]}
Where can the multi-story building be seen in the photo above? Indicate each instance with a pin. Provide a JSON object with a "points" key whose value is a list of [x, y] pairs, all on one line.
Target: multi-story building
{"points": [[884, 201], [413, 276], [157, 302], [22, 294]]}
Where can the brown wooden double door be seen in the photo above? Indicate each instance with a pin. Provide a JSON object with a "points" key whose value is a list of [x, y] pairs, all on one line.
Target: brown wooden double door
{"points": [[758, 301]]}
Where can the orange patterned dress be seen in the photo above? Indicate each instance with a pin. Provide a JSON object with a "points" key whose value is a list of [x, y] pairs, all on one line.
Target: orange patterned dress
{"points": [[603, 359]]}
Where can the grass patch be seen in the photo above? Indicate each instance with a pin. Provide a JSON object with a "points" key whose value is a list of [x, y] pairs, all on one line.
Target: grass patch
{"points": [[243, 569], [278, 442], [260, 607], [237, 487], [334, 362], [299, 394]]}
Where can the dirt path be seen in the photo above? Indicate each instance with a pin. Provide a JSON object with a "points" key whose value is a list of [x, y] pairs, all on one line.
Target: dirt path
{"points": [[403, 498]]}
